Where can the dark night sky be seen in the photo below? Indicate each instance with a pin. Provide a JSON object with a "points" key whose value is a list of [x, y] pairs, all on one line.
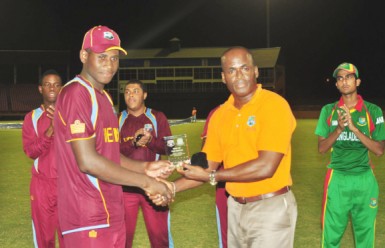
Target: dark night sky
{"points": [[316, 35]]}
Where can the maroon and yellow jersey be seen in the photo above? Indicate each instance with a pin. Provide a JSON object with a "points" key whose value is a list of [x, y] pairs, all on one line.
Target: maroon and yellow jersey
{"points": [[129, 124], [86, 202], [37, 145]]}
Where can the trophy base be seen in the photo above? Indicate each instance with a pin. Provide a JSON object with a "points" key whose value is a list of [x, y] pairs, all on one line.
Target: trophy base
{"points": [[178, 165]]}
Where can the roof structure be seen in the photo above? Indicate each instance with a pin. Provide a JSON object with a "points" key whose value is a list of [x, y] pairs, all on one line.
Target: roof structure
{"points": [[264, 57]]}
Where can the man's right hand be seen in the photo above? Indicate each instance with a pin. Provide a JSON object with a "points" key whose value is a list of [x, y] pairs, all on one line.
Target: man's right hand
{"points": [[159, 193]]}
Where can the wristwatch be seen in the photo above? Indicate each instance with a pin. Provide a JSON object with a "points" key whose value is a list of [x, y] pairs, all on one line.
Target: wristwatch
{"points": [[212, 180]]}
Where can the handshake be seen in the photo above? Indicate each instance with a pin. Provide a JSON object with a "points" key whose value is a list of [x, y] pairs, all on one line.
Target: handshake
{"points": [[162, 192]]}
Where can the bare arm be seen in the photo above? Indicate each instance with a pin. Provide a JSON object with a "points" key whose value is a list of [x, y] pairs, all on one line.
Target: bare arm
{"points": [[132, 165], [90, 162], [159, 168], [258, 169], [344, 119], [254, 170], [376, 147], [184, 183], [325, 144]]}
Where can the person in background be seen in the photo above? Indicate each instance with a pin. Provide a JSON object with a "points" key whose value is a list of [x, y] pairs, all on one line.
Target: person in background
{"points": [[38, 144], [350, 128], [141, 137], [91, 169], [194, 114], [220, 195]]}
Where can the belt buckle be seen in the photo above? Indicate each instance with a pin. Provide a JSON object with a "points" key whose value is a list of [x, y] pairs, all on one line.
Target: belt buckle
{"points": [[242, 200]]}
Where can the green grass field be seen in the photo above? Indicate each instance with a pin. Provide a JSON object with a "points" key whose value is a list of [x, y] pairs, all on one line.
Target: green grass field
{"points": [[193, 213]]}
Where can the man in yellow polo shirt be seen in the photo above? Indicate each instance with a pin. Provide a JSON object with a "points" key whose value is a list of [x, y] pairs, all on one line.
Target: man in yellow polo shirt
{"points": [[251, 134]]}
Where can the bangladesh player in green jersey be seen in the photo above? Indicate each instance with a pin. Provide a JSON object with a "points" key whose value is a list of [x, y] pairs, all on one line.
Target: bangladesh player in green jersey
{"points": [[350, 128]]}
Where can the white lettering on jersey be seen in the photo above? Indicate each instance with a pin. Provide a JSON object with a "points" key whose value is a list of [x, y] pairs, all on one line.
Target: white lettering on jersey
{"points": [[347, 136], [379, 120]]}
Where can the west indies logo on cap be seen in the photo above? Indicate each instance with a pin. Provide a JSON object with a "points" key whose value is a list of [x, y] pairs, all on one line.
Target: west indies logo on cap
{"points": [[100, 39], [108, 35]]}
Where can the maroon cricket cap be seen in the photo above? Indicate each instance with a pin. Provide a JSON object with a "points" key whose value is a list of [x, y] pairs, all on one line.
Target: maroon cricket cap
{"points": [[101, 39]]}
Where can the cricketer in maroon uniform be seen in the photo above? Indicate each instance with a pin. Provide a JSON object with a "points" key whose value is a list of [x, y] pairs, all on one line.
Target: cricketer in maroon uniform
{"points": [[141, 137], [37, 134], [221, 195], [90, 168]]}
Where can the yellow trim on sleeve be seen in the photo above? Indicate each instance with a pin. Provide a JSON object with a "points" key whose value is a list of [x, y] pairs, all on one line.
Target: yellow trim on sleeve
{"points": [[86, 138]]}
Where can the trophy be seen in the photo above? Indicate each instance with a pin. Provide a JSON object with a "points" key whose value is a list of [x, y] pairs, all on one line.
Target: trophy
{"points": [[177, 150]]}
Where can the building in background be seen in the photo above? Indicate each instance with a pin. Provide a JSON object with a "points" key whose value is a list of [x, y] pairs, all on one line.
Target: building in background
{"points": [[177, 77]]}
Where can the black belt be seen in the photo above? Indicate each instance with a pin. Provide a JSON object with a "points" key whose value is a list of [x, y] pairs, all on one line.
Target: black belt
{"points": [[244, 200]]}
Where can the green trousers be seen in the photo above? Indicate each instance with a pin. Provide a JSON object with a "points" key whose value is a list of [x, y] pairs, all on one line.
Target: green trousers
{"points": [[349, 195]]}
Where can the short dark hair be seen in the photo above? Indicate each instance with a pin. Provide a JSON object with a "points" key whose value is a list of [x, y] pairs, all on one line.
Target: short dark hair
{"points": [[49, 72], [137, 81]]}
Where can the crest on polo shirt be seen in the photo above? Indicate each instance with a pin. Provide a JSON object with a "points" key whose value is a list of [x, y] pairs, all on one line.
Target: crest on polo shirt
{"points": [[78, 127], [108, 35], [373, 202], [361, 121], [251, 121]]}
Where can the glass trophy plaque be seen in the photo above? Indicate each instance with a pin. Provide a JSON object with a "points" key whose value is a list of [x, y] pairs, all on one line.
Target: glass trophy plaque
{"points": [[177, 150]]}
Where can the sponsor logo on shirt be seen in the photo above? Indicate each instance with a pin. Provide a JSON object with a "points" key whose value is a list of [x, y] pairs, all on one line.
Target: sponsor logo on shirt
{"points": [[93, 234], [78, 127], [251, 121]]}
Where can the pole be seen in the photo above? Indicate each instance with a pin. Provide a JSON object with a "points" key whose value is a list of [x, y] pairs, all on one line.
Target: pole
{"points": [[267, 23]]}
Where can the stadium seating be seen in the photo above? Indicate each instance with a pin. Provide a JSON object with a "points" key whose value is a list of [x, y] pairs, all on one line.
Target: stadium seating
{"points": [[24, 97], [3, 99]]}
